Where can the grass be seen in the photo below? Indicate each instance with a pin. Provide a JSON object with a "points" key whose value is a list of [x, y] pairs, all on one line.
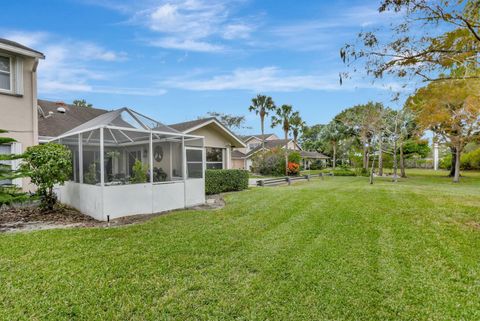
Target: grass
{"points": [[332, 249]]}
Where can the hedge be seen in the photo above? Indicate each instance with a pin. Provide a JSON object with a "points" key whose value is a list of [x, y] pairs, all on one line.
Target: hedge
{"points": [[225, 180], [340, 172]]}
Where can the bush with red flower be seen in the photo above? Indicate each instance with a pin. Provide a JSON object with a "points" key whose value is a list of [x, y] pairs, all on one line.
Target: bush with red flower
{"points": [[293, 168]]}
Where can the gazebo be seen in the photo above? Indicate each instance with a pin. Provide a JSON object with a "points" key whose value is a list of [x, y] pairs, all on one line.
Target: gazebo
{"points": [[125, 163]]}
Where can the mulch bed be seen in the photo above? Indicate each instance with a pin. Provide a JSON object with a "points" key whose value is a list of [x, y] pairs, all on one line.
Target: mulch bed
{"points": [[30, 218], [61, 215]]}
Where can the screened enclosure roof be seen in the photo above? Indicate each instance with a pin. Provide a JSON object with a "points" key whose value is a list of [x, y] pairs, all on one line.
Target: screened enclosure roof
{"points": [[125, 118]]}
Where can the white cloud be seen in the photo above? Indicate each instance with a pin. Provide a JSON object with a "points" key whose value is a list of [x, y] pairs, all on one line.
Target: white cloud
{"points": [[73, 65], [270, 79], [192, 25], [237, 31], [186, 44]]}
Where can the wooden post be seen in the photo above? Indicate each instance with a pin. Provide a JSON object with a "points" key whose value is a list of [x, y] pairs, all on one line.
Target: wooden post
{"points": [[289, 181]]}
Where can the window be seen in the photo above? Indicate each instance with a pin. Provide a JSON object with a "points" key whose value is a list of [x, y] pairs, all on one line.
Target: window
{"points": [[253, 146], [194, 163], [214, 158], [4, 150], [5, 73]]}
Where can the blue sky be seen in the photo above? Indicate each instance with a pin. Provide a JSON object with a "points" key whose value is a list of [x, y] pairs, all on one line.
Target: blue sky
{"points": [[176, 60]]}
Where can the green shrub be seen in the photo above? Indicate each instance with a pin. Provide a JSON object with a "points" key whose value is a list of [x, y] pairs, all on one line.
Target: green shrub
{"points": [[362, 172], [446, 162], [340, 172], [139, 173], [295, 157], [225, 180], [470, 160], [270, 163], [47, 165]]}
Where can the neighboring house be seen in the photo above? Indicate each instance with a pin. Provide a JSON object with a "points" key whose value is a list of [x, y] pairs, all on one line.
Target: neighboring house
{"points": [[18, 98], [219, 141], [243, 157]]}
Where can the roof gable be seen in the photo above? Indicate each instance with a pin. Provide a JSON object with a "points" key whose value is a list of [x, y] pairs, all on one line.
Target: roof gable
{"points": [[190, 126]]}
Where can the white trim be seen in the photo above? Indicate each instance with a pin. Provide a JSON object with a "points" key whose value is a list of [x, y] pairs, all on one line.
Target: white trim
{"points": [[21, 51], [219, 124], [10, 74]]}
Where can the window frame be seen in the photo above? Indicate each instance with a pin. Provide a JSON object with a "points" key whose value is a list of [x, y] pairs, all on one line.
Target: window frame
{"points": [[223, 152], [10, 74]]}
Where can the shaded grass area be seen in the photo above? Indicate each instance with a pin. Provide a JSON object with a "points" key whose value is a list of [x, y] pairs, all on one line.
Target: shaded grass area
{"points": [[337, 248]]}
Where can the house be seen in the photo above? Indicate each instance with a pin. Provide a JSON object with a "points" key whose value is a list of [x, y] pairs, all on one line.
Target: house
{"points": [[220, 141], [125, 163], [18, 98], [243, 157]]}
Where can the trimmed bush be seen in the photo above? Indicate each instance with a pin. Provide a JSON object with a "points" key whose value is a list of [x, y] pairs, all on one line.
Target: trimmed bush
{"points": [[225, 180], [340, 172]]}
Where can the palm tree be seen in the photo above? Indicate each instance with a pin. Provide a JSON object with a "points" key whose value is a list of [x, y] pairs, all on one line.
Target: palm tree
{"points": [[262, 105], [284, 117], [333, 133], [297, 124]]}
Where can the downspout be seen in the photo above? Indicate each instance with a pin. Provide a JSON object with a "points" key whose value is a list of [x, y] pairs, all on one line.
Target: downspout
{"points": [[34, 102]]}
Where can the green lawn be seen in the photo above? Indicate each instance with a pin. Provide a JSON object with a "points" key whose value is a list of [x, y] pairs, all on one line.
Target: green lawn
{"points": [[332, 249]]}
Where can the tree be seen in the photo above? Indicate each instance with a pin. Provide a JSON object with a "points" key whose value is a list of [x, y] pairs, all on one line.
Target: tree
{"points": [[232, 122], [82, 103], [333, 133], [451, 112], [297, 124], [416, 48], [9, 194], [262, 105], [310, 139], [362, 121], [283, 117], [47, 165]]}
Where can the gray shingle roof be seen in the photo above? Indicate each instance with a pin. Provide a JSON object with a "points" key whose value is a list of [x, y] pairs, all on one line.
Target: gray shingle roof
{"points": [[269, 144], [237, 154], [58, 123], [313, 155], [260, 136], [190, 124]]}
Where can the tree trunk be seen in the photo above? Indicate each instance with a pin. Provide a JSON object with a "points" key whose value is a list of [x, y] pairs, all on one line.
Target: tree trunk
{"points": [[454, 161], [286, 153], [365, 156], [402, 162], [262, 119], [395, 165], [380, 160], [373, 166], [334, 145], [456, 177]]}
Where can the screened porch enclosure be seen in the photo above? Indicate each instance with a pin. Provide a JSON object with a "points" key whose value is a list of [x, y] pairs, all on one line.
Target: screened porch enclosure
{"points": [[132, 159]]}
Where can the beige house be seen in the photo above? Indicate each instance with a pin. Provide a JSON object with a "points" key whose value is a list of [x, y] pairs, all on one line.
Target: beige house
{"points": [[242, 158], [18, 97], [219, 141]]}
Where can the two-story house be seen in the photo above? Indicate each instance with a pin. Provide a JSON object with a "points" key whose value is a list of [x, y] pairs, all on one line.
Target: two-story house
{"points": [[18, 97]]}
